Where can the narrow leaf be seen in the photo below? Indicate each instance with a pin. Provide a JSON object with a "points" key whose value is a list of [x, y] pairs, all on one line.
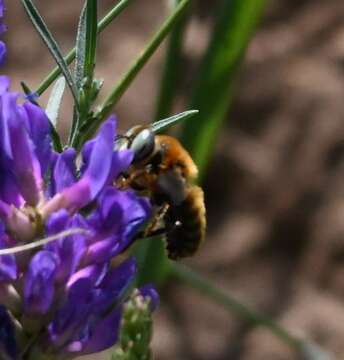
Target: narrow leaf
{"points": [[80, 49], [172, 71], [55, 100], [91, 38], [168, 122], [123, 84], [51, 44], [86, 42], [172, 120]]}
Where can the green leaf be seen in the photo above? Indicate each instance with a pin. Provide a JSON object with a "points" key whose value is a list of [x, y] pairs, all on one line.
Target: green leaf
{"points": [[213, 93], [80, 49], [103, 23], [51, 44], [164, 124], [86, 43], [55, 99], [172, 120], [91, 38]]}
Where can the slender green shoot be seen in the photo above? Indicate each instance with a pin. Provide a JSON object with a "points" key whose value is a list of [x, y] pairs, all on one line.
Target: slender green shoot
{"points": [[139, 63], [171, 72], [205, 287], [90, 38], [51, 44], [214, 89], [69, 58], [303, 347], [162, 125], [86, 46]]}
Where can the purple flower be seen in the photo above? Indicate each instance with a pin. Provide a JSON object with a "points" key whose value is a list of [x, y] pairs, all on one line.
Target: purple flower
{"points": [[3, 49], [68, 294]]}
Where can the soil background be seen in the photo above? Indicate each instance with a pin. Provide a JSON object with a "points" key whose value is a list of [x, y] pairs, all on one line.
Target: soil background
{"points": [[275, 186]]}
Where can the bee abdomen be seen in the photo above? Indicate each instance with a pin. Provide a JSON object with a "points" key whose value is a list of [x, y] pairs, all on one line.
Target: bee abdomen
{"points": [[186, 225]]}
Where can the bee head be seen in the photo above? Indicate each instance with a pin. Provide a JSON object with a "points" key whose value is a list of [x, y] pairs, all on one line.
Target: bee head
{"points": [[142, 141]]}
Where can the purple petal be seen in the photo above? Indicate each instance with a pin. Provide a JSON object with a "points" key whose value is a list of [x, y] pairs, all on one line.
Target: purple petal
{"points": [[96, 174], [70, 249], [101, 158], [86, 154], [94, 274], [57, 222], [136, 212], [115, 284], [121, 160], [64, 174], [3, 49], [19, 148], [73, 314], [9, 190], [40, 134], [88, 147], [4, 84], [102, 336], [117, 219], [149, 291], [39, 282], [101, 251]]}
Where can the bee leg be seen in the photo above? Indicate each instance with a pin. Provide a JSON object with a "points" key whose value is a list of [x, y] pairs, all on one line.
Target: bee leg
{"points": [[152, 228], [157, 232], [125, 181]]}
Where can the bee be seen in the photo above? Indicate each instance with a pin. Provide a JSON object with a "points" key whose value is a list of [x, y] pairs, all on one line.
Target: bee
{"points": [[163, 170]]}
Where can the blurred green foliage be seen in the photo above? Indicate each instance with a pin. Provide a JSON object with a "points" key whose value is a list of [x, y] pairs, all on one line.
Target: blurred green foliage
{"points": [[212, 95], [214, 88]]}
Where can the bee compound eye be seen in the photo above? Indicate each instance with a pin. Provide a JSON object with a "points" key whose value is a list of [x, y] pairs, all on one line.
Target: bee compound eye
{"points": [[121, 143], [143, 144]]}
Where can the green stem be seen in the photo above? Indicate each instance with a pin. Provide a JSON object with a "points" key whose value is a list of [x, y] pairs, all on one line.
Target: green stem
{"points": [[139, 63], [171, 68], [103, 23], [154, 267], [232, 305]]}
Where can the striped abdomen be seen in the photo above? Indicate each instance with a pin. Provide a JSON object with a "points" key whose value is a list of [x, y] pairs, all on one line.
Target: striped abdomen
{"points": [[186, 224]]}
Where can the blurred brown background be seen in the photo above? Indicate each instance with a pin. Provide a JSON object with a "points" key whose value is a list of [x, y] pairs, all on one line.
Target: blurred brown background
{"points": [[275, 188]]}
